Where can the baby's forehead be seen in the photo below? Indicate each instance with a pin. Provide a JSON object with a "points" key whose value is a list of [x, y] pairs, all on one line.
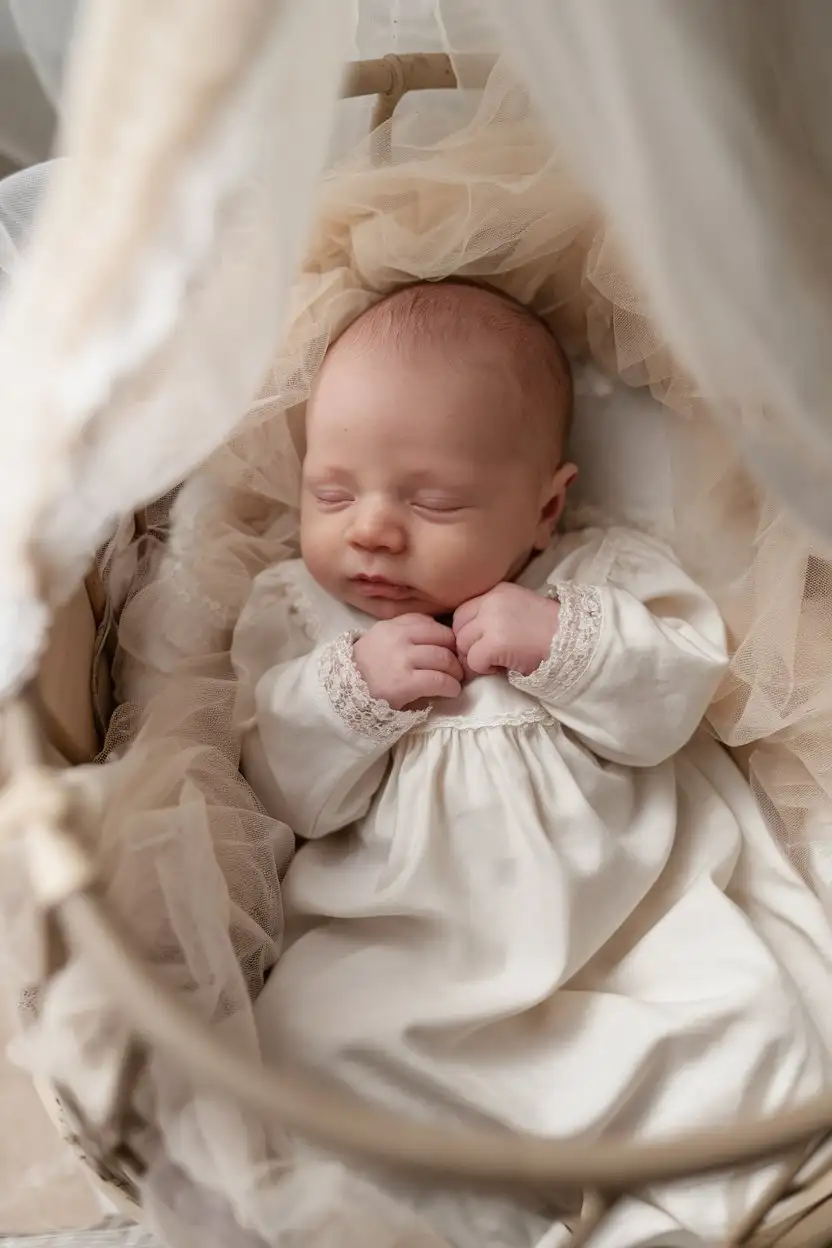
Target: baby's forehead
{"points": [[456, 335]]}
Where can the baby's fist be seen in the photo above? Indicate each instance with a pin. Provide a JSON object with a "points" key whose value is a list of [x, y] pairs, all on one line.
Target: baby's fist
{"points": [[409, 658], [507, 629]]}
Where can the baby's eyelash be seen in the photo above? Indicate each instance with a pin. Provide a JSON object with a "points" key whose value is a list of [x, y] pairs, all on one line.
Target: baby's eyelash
{"points": [[437, 504], [332, 498]]}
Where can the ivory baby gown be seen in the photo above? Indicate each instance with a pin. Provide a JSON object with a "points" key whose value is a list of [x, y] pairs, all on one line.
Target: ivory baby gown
{"points": [[551, 903]]}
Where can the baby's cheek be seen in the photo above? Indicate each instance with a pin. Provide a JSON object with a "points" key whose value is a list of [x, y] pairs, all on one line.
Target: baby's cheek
{"points": [[318, 551], [470, 565]]}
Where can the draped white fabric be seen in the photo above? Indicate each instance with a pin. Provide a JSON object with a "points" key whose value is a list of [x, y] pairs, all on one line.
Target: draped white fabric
{"points": [[114, 394], [704, 130]]}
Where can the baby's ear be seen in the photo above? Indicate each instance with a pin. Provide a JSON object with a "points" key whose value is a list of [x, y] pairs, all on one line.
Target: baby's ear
{"points": [[553, 503]]}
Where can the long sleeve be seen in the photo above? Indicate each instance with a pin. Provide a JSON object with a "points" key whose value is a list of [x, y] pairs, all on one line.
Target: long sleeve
{"points": [[314, 742], [639, 653], [318, 748]]}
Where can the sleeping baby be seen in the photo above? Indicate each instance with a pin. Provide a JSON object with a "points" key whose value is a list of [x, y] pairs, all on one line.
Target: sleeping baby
{"points": [[516, 899]]}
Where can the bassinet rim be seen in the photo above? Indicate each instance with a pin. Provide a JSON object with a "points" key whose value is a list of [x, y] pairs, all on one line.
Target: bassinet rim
{"points": [[65, 877]]}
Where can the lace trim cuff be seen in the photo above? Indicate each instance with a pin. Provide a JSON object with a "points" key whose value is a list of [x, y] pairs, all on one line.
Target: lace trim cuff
{"points": [[574, 646], [351, 700]]}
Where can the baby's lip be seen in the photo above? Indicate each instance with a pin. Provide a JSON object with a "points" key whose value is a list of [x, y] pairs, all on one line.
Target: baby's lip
{"points": [[380, 587]]}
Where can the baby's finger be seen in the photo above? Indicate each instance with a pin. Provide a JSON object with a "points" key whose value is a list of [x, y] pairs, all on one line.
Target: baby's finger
{"points": [[480, 658], [467, 673], [466, 613], [427, 632], [437, 659], [467, 637], [436, 685]]}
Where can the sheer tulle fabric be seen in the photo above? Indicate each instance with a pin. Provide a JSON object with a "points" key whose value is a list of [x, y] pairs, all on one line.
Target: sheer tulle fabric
{"points": [[471, 184]]}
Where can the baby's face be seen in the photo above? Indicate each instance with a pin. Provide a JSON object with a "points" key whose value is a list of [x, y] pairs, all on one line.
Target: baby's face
{"points": [[418, 493]]}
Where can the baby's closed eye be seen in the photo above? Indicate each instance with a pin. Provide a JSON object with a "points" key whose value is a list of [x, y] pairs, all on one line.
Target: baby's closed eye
{"points": [[439, 503], [331, 495]]}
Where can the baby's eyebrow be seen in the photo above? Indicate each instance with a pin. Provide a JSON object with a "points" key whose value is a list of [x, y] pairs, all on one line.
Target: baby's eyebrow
{"points": [[429, 478], [442, 491], [329, 472]]}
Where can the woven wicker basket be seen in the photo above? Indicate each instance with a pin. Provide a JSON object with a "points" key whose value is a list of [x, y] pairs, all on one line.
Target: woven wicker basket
{"points": [[55, 727]]}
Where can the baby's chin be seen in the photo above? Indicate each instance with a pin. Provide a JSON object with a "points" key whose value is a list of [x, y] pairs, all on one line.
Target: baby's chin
{"points": [[387, 609]]}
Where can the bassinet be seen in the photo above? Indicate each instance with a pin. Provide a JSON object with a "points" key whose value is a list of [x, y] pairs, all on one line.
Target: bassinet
{"points": [[797, 1210]]}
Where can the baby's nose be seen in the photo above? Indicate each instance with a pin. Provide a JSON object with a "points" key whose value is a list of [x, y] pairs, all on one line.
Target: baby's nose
{"points": [[376, 527]]}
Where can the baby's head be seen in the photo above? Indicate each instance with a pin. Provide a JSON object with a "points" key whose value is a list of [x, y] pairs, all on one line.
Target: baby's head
{"points": [[434, 461]]}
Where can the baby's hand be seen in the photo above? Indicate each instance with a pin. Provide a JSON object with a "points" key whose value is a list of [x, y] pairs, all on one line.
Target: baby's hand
{"points": [[507, 629], [409, 658]]}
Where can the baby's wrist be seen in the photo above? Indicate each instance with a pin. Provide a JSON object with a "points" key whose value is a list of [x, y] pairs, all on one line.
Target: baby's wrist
{"points": [[378, 688], [546, 621], [364, 665]]}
